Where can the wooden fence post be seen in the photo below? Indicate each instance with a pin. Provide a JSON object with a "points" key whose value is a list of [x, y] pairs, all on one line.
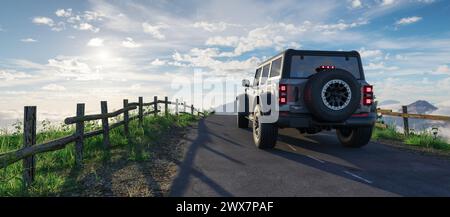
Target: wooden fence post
{"points": [[79, 131], [405, 121], [126, 119], [155, 105], [29, 139], [105, 125], [176, 106], [141, 111], [166, 106], [184, 106], [192, 109]]}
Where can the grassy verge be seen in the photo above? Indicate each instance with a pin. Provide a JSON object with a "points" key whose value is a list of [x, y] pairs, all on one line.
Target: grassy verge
{"points": [[53, 168], [423, 139]]}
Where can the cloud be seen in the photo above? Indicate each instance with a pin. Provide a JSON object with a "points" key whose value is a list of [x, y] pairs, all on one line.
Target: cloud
{"points": [[53, 87], [387, 2], [73, 68], [408, 20], [426, 1], [43, 21], [64, 12], [11, 75], [158, 62], [154, 30], [356, 4], [380, 66], [207, 58], [59, 27], [370, 53], [95, 42], [227, 41], [130, 43], [213, 27], [86, 26], [28, 40]]}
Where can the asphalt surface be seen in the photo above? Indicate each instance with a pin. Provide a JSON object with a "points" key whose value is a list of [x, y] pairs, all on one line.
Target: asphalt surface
{"points": [[222, 160]]}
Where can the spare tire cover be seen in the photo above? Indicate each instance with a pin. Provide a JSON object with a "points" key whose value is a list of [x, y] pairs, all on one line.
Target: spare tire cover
{"points": [[332, 95]]}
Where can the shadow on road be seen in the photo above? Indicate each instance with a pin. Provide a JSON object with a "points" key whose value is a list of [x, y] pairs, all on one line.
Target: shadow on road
{"points": [[187, 169]]}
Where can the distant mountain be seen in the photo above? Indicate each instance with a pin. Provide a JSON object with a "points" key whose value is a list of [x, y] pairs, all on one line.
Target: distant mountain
{"points": [[388, 102], [421, 107]]}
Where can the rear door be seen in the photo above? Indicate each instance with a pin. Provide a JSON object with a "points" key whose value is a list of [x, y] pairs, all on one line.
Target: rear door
{"points": [[299, 68]]}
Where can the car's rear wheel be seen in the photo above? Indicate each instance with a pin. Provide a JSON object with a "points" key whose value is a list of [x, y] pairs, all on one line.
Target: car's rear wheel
{"points": [[242, 121], [264, 134], [354, 137]]}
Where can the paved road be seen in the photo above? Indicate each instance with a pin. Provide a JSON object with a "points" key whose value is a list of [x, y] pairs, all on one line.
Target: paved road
{"points": [[222, 160]]}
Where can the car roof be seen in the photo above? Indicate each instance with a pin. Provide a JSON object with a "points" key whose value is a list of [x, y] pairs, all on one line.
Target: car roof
{"points": [[310, 52]]}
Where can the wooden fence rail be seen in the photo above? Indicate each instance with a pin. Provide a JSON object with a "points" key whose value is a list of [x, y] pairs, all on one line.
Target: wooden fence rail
{"points": [[30, 149], [405, 115]]}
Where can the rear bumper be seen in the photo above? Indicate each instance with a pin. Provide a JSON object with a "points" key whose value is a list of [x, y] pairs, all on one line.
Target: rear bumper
{"points": [[306, 121]]}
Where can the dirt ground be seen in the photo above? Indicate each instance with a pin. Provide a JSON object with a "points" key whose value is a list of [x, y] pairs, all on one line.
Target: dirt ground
{"points": [[122, 177]]}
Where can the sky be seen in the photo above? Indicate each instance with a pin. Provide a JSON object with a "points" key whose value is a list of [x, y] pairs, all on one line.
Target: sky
{"points": [[54, 54]]}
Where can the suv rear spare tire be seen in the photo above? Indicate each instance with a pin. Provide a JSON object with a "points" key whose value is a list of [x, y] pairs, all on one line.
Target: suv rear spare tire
{"points": [[264, 134], [332, 95], [354, 137]]}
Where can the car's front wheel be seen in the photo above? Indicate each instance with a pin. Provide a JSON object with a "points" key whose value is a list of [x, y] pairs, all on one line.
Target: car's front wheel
{"points": [[354, 137], [264, 134]]}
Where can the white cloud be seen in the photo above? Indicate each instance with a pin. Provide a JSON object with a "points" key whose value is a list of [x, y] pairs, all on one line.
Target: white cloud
{"points": [[380, 66], [64, 12], [95, 42], [426, 1], [356, 4], [158, 62], [28, 40], [227, 41], [387, 2], [53, 87], [59, 27], [154, 30], [130, 43], [43, 21], [212, 27], [11, 75], [136, 86], [370, 53], [86, 26], [73, 68], [408, 20]]}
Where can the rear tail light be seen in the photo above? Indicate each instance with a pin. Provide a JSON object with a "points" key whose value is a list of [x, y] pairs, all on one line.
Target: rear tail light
{"points": [[327, 67], [282, 90], [367, 95]]}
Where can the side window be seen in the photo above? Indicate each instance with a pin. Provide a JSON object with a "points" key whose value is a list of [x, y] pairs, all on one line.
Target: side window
{"points": [[257, 75], [276, 68], [265, 73]]}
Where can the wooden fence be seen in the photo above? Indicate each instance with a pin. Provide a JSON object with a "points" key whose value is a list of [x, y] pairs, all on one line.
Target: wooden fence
{"points": [[405, 115], [30, 149]]}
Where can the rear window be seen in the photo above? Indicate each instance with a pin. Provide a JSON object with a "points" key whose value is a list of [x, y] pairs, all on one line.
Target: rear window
{"points": [[306, 66], [276, 68]]}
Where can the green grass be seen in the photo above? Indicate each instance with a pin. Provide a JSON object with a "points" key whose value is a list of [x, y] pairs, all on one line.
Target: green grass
{"points": [[53, 168], [422, 139]]}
